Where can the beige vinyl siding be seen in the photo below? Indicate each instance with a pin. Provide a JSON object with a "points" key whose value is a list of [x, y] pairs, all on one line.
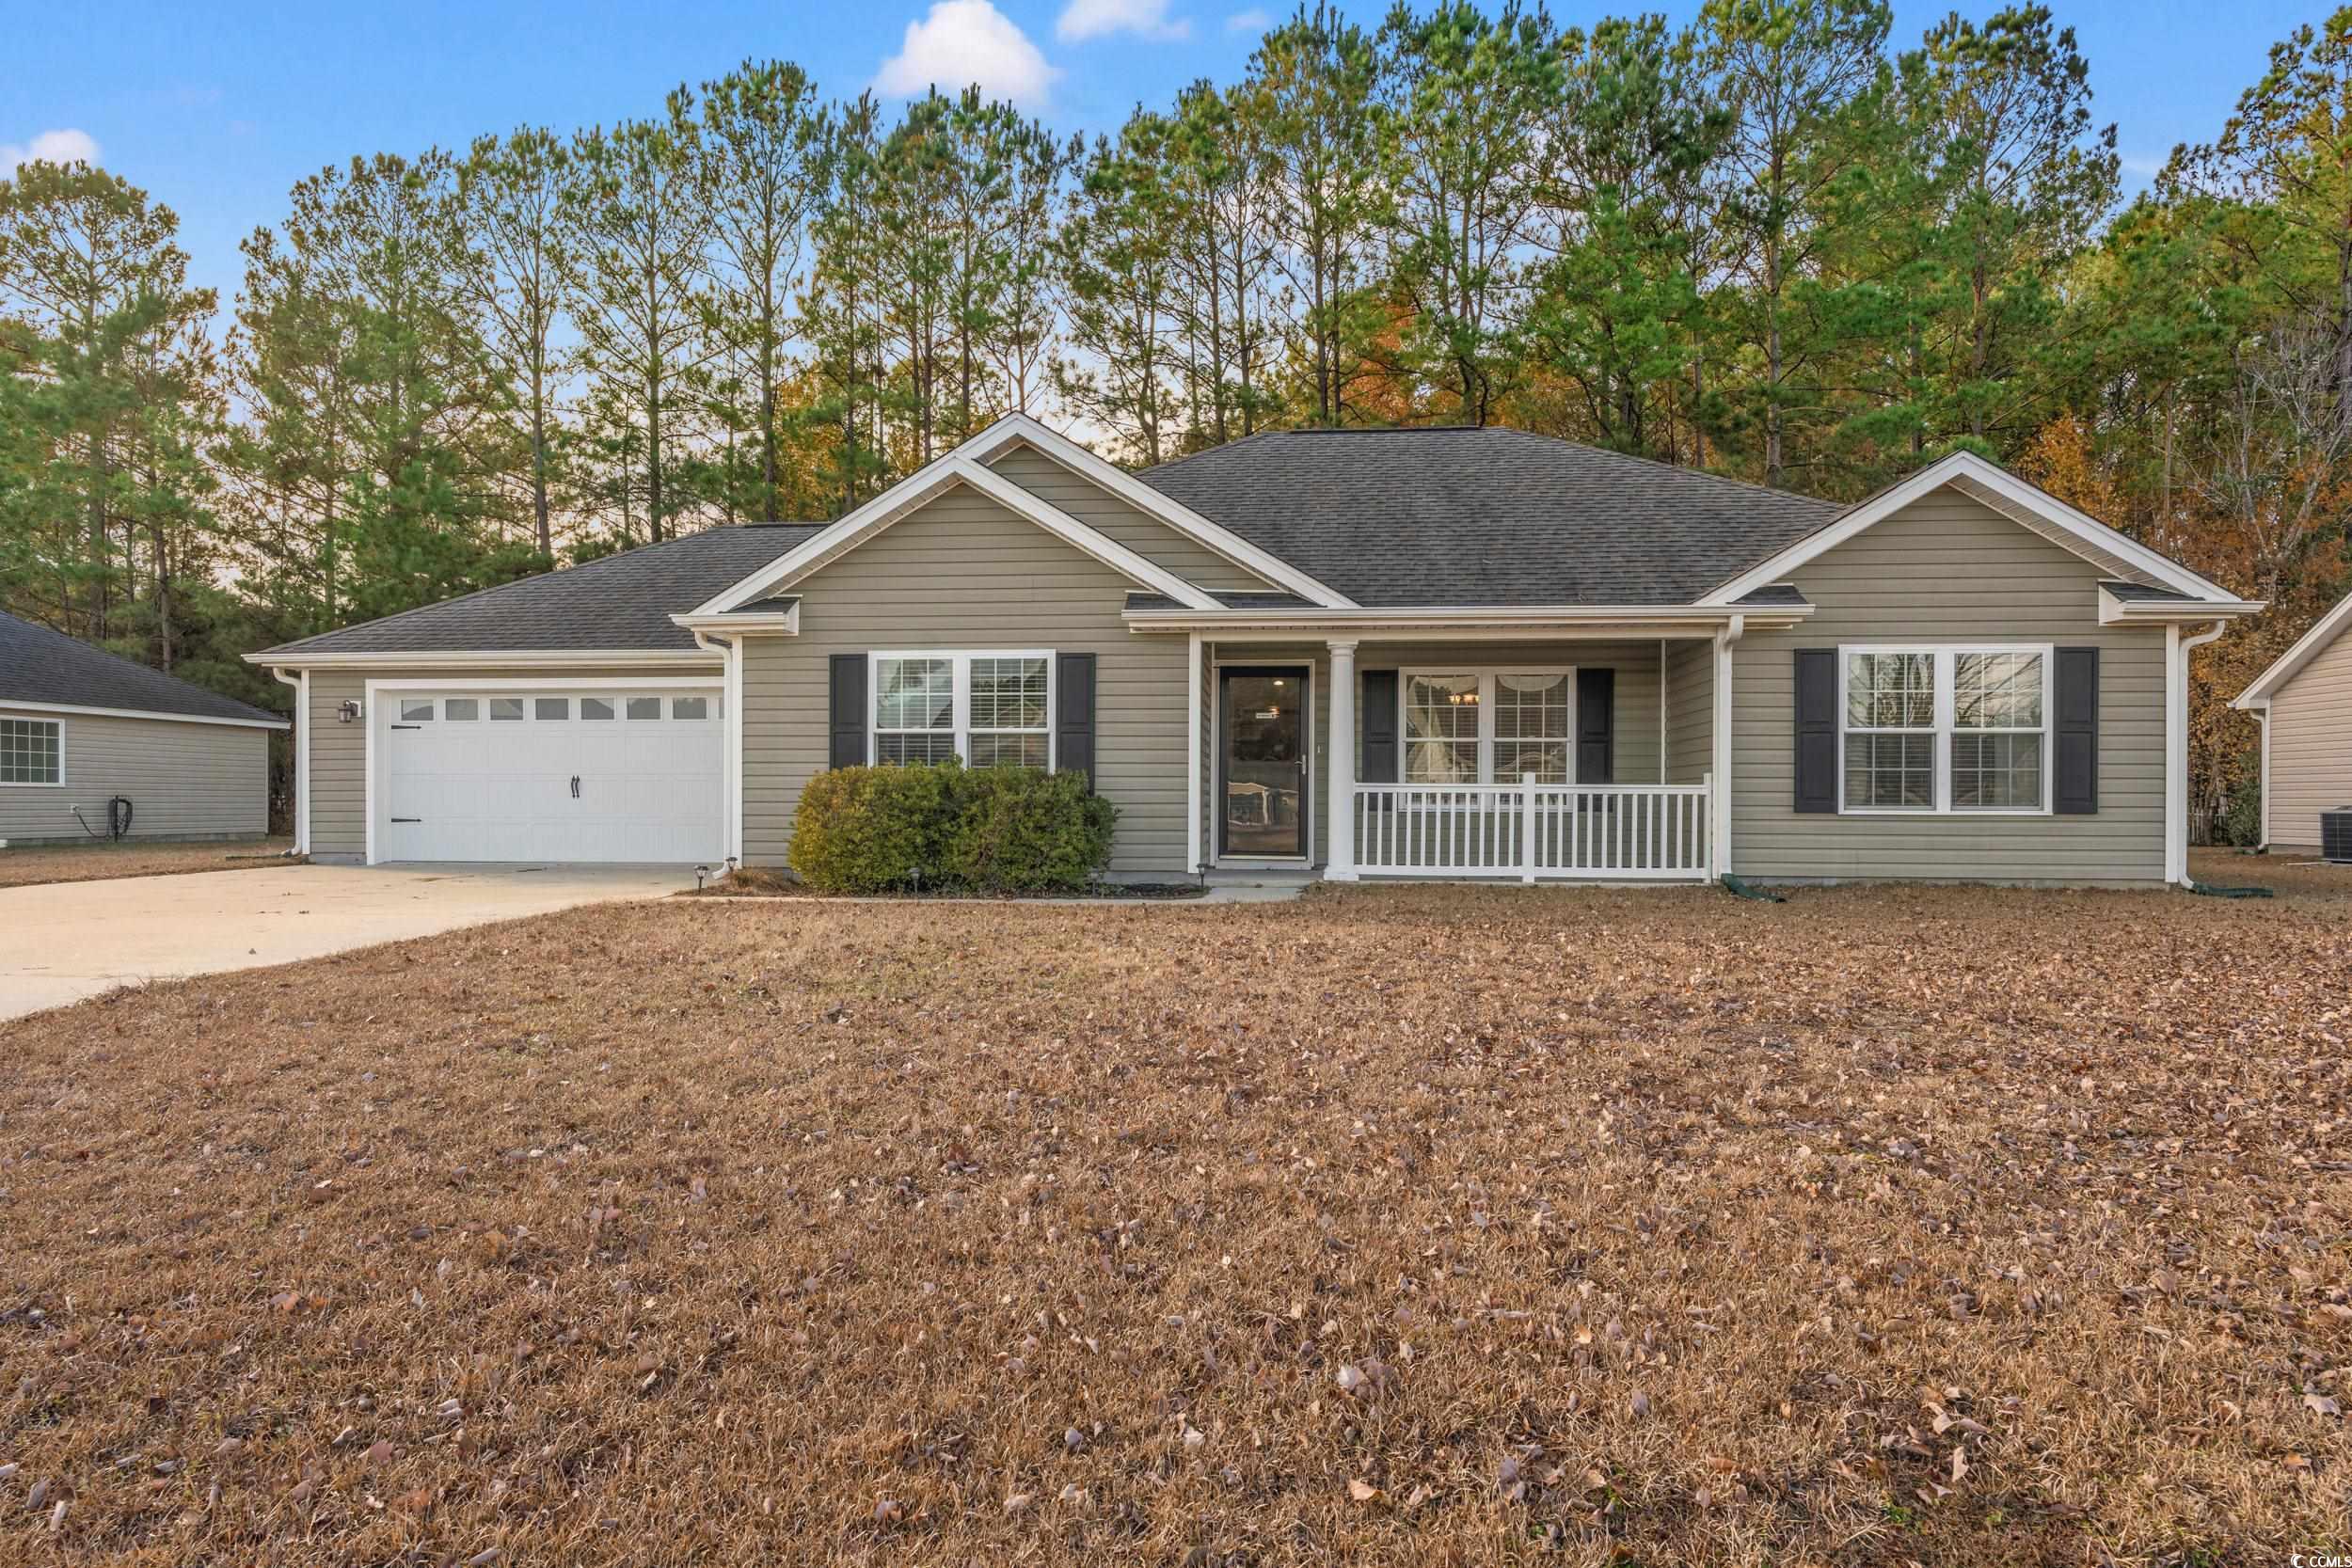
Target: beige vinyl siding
{"points": [[182, 781], [1149, 538], [339, 773], [2311, 748], [1690, 698], [1637, 698], [962, 573], [1949, 569]]}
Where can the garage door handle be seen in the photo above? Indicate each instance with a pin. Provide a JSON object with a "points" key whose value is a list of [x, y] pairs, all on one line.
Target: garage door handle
{"points": [[408, 726], [575, 787], [408, 818]]}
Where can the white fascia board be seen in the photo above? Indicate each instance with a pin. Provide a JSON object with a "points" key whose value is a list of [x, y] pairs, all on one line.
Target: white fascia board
{"points": [[2114, 611], [457, 659], [785, 623], [928, 484], [9, 705], [2289, 664], [1678, 620], [1967, 465], [1016, 429]]}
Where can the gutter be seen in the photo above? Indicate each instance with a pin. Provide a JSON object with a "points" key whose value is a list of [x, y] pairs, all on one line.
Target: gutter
{"points": [[1688, 620], [457, 659]]}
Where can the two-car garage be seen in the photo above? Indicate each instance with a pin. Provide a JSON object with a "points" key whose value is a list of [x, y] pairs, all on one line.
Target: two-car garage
{"points": [[576, 772]]}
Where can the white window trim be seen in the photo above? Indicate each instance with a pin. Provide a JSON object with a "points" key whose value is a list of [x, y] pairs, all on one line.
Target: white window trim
{"points": [[960, 710], [57, 724], [1488, 683], [1947, 656]]}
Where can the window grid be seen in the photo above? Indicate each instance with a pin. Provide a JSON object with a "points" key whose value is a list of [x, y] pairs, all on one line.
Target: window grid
{"points": [[988, 709], [1944, 730], [1488, 727], [32, 751]]}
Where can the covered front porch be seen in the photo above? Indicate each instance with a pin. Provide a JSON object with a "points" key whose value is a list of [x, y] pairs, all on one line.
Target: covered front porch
{"points": [[1576, 746]]}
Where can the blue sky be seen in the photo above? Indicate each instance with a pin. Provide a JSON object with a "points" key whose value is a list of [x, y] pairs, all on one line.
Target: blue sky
{"points": [[217, 108]]}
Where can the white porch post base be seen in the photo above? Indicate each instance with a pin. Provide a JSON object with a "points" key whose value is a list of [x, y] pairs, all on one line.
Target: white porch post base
{"points": [[1339, 862]]}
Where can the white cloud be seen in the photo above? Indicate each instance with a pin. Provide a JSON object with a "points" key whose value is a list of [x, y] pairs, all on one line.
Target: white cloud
{"points": [[1251, 21], [965, 41], [50, 147], [1082, 19]]}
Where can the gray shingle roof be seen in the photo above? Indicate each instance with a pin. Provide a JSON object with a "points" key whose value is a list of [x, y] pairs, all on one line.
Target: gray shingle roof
{"points": [[38, 665], [1140, 600], [1773, 593], [1489, 517], [621, 601], [2141, 592]]}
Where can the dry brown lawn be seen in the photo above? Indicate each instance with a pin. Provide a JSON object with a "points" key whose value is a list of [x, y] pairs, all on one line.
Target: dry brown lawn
{"points": [[1955, 1227], [95, 862]]}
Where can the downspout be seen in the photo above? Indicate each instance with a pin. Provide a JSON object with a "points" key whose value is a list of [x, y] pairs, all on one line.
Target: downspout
{"points": [[731, 728], [2261, 710], [2176, 766], [1719, 801], [301, 684]]}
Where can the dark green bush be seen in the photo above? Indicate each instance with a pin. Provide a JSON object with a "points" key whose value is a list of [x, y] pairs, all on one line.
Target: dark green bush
{"points": [[870, 829], [1018, 829], [987, 830]]}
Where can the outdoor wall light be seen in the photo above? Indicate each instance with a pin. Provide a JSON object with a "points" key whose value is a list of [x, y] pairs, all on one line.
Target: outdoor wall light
{"points": [[347, 711]]}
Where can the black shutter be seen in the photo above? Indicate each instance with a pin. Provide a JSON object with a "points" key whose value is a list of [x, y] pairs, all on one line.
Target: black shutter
{"points": [[847, 710], [1073, 716], [1596, 727], [2076, 726], [1817, 729], [1379, 715]]}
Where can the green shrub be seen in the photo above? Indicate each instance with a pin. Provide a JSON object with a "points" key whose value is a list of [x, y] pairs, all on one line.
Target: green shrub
{"points": [[1018, 829], [870, 829], [987, 830]]}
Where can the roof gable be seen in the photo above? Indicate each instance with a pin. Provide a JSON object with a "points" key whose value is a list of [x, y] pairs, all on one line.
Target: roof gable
{"points": [[2025, 504], [2293, 662]]}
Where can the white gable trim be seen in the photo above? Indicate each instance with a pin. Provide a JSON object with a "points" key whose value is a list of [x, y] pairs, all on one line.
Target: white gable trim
{"points": [[2290, 665], [2085, 534], [927, 484], [1021, 429]]}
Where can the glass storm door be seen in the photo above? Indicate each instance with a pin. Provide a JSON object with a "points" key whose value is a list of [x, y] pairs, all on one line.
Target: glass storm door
{"points": [[1264, 786]]}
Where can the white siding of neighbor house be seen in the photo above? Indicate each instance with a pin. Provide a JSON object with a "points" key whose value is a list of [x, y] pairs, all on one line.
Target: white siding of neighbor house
{"points": [[1948, 568], [962, 573], [183, 780], [339, 771], [2311, 748]]}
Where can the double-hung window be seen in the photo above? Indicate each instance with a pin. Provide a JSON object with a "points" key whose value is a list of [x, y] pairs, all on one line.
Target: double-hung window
{"points": [[1489, 726], [1945, 729], [32, 751], [991, 709]]}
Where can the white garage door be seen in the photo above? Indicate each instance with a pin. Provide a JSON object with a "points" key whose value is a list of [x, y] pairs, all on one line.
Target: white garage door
{"points": [[577, 775]]}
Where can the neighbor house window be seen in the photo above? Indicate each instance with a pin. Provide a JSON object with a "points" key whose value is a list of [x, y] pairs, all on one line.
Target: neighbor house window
{"points": [[1951, 729], [1491, 726], [991, 709], [32, 751]]}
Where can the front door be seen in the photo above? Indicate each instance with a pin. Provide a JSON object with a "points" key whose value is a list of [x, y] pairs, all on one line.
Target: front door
{"points": [[1263, 762]]}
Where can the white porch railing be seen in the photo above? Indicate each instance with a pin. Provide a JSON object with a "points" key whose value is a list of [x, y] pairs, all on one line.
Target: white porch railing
{"points": [[1599, 833]]}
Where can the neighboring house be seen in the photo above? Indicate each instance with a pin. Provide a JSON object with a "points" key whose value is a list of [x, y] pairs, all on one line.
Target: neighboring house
{"points": [[79, 728], [1541, 660], [2304, 702]]}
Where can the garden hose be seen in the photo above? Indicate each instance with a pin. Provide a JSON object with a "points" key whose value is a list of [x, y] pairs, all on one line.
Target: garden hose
{"points": [[1740, 887]]}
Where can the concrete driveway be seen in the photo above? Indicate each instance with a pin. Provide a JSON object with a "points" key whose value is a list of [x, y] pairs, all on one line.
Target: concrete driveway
{"points": [[61, 941]]}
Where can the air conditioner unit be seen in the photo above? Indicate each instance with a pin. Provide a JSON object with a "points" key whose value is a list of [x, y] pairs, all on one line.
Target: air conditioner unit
{"points": [[2335, 835]]}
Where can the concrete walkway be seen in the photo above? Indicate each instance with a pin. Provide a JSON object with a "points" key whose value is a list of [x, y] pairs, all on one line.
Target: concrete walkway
{"points": [[61, 941]]}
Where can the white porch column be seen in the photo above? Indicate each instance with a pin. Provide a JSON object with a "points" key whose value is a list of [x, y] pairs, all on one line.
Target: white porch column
{"points": [[1195, 761], [1719, 792], [1340, 765]]}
